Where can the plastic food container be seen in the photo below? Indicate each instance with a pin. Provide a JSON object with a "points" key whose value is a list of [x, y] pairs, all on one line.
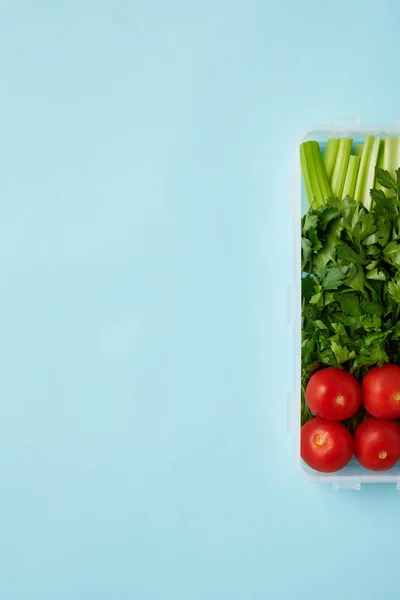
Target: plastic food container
{"points": [[353, 475]]}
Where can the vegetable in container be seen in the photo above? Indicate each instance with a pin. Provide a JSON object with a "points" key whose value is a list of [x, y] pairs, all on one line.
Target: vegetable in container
{"points": [[350, 352]]}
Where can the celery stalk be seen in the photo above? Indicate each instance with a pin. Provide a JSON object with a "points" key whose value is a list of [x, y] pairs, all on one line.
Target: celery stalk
{"points": [[307, 170], [390, 158], [358, 148], [340, 168], [379, 162], [315, 178], [321, 173], [366, 171], [351, 176], [330, 154], [315, 182]]}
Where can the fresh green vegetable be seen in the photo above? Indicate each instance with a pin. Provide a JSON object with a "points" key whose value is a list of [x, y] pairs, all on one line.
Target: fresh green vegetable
{"points": [[351, 176], [321, 173], [358, 149], [366, 172], [330, 154], [340, 168], [350, 259], [315, 178], [351, 287], [379, 163], [389, 156]]}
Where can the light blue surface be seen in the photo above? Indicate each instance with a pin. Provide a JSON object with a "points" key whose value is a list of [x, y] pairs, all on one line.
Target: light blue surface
{"points": [[145, 251]]}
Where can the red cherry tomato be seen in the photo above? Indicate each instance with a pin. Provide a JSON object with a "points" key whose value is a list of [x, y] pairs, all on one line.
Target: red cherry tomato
{"points": [[381, 391], [333, 394], [325, 446], [377, 444]]}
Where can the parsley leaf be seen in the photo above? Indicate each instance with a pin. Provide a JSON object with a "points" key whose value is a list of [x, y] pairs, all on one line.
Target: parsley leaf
{"points": [[385, 179], [391, 253], [376, 274], [351, 292], [341, 353], [306, 251], [356, 279], [394, 290], [308, 285], [334, 277]]}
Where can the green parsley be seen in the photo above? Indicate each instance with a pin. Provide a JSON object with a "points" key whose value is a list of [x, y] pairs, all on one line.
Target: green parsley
{"points": [[351, 282]]}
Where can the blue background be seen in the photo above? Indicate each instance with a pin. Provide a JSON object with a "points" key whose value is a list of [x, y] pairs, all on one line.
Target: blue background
{"points": [[145, 149]]}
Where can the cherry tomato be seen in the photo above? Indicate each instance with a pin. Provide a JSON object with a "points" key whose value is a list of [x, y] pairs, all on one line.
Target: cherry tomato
{"points": [[381, 391], [333, 394], [377, 444], [325, 446]]}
